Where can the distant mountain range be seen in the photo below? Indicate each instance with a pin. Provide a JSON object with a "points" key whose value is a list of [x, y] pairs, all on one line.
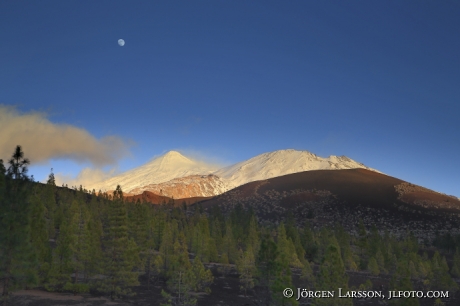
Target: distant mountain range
{"points": [[279, 184], [176, 176]]}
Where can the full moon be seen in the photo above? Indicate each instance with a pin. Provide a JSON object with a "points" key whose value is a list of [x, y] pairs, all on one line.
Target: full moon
{"points": [[121, 42]]}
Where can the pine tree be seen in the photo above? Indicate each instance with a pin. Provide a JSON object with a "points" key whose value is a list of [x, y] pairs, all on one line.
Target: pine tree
{"points": [[181, 279], [401, 281], [39, 235], [267, 265], [332, 275], [246, 267], [287, 249], [390, 258], [51, 180], [292, 233], [49, 202], [253, 240], [201, 239], [17, 257], [380, 260], [159, 224], [374, 241], [456, 265], [202, 277], [81, 247], [77, 251], [440, 278], [61, 265], [309, 244], [216, 234], [411, 243], [224, 267], [343, 238], [139, 230], [120, 251], [180, 285], [363, 245], [275, 274], [2, 180], [307, 277], [179, 259], [167, 247], [95, 256], [151, 265], [373, 267], [229, 244], [282, 279]]}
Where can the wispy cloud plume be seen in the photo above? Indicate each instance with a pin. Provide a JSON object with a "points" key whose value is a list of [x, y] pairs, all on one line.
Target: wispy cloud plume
{"points": [[200, 156], [87, 177], [43, 140]]}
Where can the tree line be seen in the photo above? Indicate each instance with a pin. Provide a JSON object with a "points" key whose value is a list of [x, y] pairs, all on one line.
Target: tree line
{"points": [[62, 239]]}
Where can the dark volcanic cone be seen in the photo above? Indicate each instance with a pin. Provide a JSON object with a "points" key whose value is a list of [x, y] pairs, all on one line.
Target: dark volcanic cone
{"points": [[324, 197], [153, 198]]}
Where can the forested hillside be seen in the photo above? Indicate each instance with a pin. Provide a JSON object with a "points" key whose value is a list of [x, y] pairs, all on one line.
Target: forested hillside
{"points": [[72, 240]]}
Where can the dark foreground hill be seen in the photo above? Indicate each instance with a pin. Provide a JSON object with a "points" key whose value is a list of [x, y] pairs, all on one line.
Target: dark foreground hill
{"points": [[325, 197], [150, 197]]}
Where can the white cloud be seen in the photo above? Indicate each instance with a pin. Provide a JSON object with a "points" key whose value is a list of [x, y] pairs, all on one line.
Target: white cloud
{"points": [[87, 177], [42, 140]]}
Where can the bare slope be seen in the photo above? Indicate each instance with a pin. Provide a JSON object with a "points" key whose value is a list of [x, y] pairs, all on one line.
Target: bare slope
{"points": [[325, 197], [153, 198], [353, 186]]}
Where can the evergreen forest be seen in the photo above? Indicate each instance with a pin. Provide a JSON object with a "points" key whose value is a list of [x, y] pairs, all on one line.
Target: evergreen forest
{"points": [[73, 240]]}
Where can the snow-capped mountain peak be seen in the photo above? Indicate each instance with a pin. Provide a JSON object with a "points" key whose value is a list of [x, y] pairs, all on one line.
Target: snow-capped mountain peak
{"points": [[161, 169], [172, 156], [282, 162], [174, 171]]}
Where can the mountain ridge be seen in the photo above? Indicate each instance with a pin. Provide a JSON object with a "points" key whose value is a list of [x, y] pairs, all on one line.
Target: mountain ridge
{"points": [[164, 168], [191, 178], [282, 162]]}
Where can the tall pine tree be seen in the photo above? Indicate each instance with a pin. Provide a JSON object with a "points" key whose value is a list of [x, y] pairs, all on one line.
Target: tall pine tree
{"points": [[120, 251], [39, 234], [332, 275], [17, 257]]}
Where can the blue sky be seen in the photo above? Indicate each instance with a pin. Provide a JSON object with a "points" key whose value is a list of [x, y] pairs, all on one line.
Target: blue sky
{"points": [[377, 81]]}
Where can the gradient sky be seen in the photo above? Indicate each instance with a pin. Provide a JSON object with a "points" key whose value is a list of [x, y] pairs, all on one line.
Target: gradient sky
{"points": [[377, 81]]}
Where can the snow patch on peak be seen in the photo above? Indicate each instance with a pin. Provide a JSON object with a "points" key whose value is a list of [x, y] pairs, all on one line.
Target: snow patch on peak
{"points": [[161, 169], [173, 159], [173, 154], [282, 162], [173, 170]]}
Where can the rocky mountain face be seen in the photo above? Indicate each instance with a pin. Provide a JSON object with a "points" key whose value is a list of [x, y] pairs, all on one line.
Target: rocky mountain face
{"points": [[177, 176], [186, 187]]}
